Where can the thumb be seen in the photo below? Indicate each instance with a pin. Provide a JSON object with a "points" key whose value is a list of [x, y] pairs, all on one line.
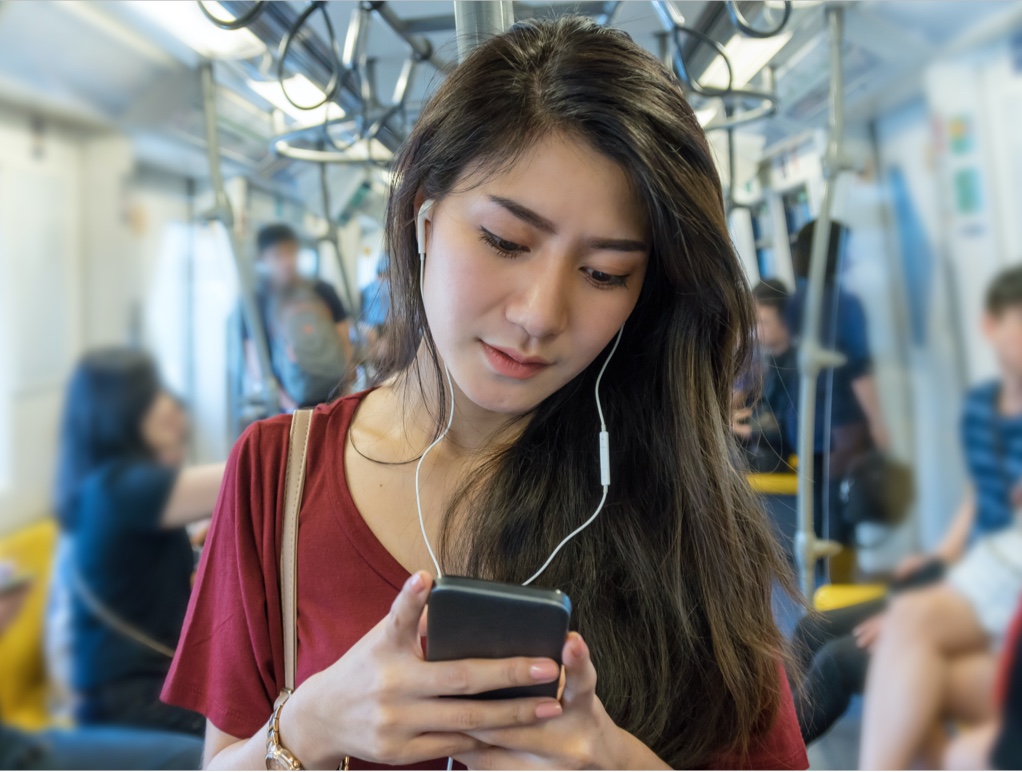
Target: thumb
{"points": [[402, 623], [580, 675]]}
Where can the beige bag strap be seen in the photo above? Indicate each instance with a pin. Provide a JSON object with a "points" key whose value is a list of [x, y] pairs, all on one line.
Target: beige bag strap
{"points": [[294, 482]]}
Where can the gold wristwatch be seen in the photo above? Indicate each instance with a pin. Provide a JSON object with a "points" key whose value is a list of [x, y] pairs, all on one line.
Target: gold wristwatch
{"points": [[277, 756]]}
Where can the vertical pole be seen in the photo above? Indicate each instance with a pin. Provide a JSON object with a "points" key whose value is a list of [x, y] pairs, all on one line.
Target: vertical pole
{"points": [[475, 21], [223, 212], [813, 357]]}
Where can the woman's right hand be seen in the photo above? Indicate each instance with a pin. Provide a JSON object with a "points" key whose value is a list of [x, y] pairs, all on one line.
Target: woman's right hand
{"points": [[383, 702]]}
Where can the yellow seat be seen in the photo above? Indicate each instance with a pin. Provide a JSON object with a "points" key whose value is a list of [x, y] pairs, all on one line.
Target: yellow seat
{"points": [[774, 484], [834, 596], [23, 683]]}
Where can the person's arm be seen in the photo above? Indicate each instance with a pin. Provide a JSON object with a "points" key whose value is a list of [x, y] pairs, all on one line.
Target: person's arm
{"points": [[853, 341], [379, 701], [954, 542], [225, 751], [343, 329], [252, 361], [957, 537], [193, 495], [865, 388]]}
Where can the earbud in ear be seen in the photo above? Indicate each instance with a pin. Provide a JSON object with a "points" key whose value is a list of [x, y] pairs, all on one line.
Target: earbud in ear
{"points": [[420, 225]]}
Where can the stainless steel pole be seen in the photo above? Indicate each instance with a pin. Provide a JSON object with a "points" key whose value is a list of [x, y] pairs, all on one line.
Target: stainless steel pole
{"points": [[476, 20], [223, 212], [813, 357]]}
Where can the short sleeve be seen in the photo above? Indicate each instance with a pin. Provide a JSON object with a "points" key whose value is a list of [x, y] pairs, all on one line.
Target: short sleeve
{"points": [[333, 301], [138, 493], [853, 336], [781, 746], [229, 661]]}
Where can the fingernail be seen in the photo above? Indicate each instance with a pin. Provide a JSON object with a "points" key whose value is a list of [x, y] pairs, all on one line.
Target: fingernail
{"points": [[544, 671], [548, 710], [415, 584]]}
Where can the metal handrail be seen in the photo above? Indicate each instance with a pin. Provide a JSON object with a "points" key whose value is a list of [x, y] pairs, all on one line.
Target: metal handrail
{"points": [[813, 357], [224, 213]]}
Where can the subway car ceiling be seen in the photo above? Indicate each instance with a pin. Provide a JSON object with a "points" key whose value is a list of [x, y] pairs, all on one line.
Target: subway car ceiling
{"points": [[135, 71], [102, 120]]}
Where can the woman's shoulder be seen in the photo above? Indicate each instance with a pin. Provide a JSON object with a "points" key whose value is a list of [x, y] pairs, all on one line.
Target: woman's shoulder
{"points": [[269, 436]]}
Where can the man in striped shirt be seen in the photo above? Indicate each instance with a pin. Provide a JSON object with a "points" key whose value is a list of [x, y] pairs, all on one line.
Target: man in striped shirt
{"points": [[935, 654]]}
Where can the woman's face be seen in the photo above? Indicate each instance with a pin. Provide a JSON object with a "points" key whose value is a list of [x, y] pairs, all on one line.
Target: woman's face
{"points": [[530, 273], [165, 430]]}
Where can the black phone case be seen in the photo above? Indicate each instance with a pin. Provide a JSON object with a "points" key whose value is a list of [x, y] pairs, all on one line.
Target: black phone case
{"points": [[476, 619]]}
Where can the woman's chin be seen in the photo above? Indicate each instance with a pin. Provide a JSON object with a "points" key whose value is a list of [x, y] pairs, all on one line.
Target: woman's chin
{"points": [[498, 395]]}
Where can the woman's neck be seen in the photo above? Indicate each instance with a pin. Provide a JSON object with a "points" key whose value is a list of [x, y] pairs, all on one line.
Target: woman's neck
{"points": [[1011, 395]]}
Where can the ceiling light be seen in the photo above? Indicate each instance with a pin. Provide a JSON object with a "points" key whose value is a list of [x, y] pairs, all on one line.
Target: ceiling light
{"points": [[185, 21], [304, 92], [707, 114], [748, 56]]}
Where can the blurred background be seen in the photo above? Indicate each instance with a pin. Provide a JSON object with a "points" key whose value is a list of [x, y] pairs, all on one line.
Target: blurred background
{"points": [[144, 147]]}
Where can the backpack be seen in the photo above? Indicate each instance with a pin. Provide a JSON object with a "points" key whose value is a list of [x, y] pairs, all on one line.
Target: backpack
{"points": [[304, 348]]}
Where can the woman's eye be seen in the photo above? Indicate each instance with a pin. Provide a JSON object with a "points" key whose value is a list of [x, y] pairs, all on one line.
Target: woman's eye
{"points": [[606, 280], [502, 247]]}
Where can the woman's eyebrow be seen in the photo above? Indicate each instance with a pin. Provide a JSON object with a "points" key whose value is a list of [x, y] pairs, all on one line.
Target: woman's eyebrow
{"points": [[536, 220], [525, 214]]}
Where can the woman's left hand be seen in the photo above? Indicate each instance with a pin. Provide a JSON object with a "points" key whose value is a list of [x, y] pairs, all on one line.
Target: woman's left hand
{"points": [[582, 736]]}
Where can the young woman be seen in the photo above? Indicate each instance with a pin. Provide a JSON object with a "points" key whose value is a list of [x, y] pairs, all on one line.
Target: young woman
{"points": [[126, 562], [573, 196]]}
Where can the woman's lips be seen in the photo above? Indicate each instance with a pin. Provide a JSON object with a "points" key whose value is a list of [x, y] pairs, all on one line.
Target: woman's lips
{"points": [[511, 364]]}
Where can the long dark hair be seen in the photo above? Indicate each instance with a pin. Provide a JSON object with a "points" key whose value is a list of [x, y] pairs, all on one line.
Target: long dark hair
{"points": [[671, 585], [108, 395]]}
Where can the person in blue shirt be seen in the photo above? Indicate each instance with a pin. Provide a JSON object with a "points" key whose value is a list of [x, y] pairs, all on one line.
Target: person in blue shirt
{"points": [[856, 420], [123, 510]]}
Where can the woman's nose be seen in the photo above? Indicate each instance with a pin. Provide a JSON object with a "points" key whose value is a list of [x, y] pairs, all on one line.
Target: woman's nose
{"points": [[540, 306]]}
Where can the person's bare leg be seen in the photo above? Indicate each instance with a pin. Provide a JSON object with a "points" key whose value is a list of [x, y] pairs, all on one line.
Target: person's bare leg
{"points": [[906, 683], [969, 689], [971, 749], [931, 754]]}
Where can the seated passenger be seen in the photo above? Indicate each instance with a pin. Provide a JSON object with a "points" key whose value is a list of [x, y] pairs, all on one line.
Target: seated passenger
{"points": [[129, 562], [309, 359], [935, 656], [764, 433], [552, 173], [856, 421], [90, 748], [835, 645]]}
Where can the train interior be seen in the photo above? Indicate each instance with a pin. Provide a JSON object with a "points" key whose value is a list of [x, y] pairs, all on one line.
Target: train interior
{"points": [[143, 145]]}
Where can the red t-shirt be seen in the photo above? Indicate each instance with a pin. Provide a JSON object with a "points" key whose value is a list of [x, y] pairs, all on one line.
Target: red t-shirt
{"points": [[230, 661]]}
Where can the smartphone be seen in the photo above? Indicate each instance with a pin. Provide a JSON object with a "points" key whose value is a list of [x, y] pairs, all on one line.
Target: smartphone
{"points": [[478, 619]]}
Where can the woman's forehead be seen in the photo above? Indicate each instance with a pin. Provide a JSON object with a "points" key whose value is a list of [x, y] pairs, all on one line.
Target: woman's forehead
{"points": [[566, 181]]}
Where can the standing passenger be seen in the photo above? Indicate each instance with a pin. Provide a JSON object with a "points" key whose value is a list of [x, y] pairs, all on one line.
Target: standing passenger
{"points": [[309, 359], [569, 203]]}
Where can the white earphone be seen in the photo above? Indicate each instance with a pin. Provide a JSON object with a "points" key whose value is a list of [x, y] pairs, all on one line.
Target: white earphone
{"points": [[420, 227], [420, 233]]}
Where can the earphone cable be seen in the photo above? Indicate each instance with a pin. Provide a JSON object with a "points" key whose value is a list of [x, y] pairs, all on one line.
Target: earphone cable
{"points": [[604, 437], [418, 468], [606, 487]]}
